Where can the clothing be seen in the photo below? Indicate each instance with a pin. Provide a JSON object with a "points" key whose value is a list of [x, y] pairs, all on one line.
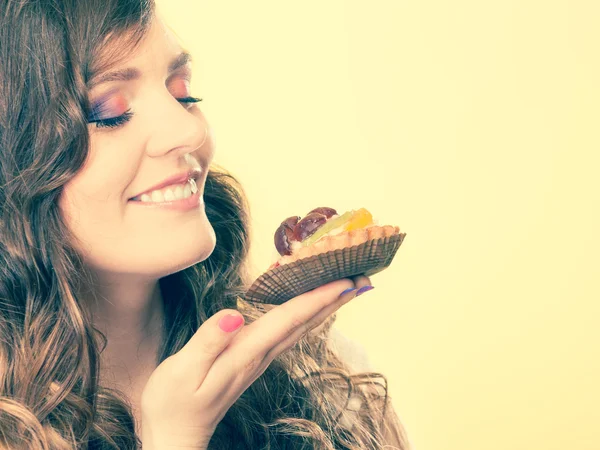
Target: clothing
{"points": [[355, 355], [350, 351]]}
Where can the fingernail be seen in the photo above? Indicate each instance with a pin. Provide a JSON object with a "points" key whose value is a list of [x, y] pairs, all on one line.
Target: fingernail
{"points": [[347, 290], [364, 289], [231, 322]]}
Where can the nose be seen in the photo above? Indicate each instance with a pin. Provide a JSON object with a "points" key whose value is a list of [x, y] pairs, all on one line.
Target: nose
{"points": [[173, 129]]}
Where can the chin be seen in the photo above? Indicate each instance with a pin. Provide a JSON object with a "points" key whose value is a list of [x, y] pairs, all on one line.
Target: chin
{"points": [[154, 260], [197, 253], [193, 251]]}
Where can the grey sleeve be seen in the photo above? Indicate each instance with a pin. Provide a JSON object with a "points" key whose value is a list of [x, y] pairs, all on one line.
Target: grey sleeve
{"points": [[350, 351]]}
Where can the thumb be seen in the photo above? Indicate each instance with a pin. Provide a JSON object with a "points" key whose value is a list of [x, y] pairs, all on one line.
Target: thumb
{"points": [[230, 321], [213, 337]]}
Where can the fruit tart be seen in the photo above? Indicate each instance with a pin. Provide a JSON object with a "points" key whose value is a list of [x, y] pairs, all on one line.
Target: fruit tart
{"points": [[321, 247]]}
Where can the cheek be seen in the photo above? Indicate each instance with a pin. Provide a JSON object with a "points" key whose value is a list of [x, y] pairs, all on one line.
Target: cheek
{"points": [[75, 215], [95, 223], [86, 209], [97, 189], [111, 166], [92, 202]]}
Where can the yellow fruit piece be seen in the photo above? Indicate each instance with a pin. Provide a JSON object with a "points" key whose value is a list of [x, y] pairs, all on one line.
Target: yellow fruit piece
{"points": [[360, 219]]}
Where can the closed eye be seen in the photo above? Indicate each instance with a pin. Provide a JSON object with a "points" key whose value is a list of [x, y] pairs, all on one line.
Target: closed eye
{"points": [[189, 100], [114, 122]]}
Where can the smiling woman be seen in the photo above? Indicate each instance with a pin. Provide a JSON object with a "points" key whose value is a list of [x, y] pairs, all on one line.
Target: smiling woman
{"points": [[123, 252]]}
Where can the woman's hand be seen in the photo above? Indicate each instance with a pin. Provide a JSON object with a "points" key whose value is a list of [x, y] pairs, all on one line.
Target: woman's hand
{"points": [[189, 393]]}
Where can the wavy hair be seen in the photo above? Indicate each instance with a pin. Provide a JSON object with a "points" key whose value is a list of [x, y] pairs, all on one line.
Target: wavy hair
{"points": [[50, 396]]}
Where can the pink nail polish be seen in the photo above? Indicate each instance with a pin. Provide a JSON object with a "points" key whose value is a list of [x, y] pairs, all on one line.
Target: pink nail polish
{"points": [[231, 322]]}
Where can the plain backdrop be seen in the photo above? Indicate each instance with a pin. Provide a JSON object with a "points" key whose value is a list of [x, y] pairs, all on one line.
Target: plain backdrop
{"points": [[474, 126]]}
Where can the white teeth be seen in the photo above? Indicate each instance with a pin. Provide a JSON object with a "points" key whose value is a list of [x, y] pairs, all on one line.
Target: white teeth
{"points": [[178, 192], [157, 196], [171, 193]]}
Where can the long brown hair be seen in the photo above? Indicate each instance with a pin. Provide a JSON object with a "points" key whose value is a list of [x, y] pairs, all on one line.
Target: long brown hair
{"points": [[50, 397]]}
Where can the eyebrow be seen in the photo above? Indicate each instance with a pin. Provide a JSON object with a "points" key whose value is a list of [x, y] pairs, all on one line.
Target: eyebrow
{"points": [[132, 73]]}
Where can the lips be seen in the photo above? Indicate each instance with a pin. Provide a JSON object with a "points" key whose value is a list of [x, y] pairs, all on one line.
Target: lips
{"points": [[178, 178]]}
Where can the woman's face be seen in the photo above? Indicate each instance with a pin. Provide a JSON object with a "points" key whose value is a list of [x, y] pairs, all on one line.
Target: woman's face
{"points": [[164, 136]]}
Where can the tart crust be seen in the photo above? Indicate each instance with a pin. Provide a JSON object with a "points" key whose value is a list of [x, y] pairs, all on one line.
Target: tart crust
{"points": [[339, 241]]}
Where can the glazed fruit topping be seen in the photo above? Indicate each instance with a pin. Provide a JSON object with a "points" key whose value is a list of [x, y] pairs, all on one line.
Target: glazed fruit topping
{"points": [[331, 224], [360, 219], [316, 224], [285, 234], [309, 225], [328, 212], [293, 229]]}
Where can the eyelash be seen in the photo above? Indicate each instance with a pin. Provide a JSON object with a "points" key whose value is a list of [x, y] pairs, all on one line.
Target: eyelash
{"points": [[115, 122]]}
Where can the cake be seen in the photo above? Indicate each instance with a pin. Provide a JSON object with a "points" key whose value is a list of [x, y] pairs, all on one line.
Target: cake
{"points": [[323, 230], [324, 246]]}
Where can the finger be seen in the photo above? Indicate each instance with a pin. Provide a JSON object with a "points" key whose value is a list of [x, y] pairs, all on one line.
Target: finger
{"points": [[315, 322], [361, 281], [245, 360], [277, 324], [210, 340]]}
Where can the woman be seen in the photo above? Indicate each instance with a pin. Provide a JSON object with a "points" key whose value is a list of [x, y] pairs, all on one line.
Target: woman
{"points": [[121, 318]]}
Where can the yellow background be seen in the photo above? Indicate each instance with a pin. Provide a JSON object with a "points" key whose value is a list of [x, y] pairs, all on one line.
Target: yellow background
{"points": [[474, 125]]}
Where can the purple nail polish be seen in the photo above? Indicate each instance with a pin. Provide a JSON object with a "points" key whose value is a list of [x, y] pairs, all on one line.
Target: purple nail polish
{"points": [[347, 290], [364, 289]]}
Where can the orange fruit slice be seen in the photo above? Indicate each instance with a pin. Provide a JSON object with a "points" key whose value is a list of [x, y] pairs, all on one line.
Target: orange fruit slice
{"points": [[360, 219]]}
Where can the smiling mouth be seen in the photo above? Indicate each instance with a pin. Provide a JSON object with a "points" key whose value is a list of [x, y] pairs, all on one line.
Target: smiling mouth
{"points": [[174, 192]]}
